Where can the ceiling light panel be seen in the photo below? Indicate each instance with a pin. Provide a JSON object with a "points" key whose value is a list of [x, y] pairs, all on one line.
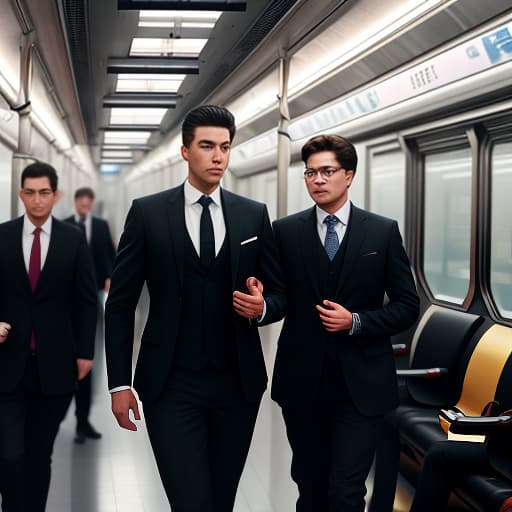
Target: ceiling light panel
{"points": [[153, 47], [194, 15], [149, 83], [135, 116], [117, 154], [115, 137]]}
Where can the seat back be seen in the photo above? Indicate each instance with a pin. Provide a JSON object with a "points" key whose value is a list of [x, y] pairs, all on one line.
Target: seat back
{"points": [[440, 340], [499, 444], [487, 372]]}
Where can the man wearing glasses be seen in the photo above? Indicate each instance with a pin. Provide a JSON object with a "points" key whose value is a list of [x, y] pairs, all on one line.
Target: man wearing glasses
{"points": [[47, 326], [334, 374]]}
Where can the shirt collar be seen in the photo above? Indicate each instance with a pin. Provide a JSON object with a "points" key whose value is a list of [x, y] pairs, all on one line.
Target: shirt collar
{"points": [[192, 195], [87, 217], [28, 227], [342, 214]]}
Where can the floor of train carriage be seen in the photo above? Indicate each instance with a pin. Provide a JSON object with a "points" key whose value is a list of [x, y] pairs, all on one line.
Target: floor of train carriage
{"points": [[118, 474]]}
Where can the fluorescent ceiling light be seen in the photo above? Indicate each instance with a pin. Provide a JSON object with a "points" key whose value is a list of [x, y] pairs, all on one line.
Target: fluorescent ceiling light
{"points": [[143, 15], [197, 24], [149, 83], [149, 46], [116, 154], [156, 24], [114, 137], [136, 116]]}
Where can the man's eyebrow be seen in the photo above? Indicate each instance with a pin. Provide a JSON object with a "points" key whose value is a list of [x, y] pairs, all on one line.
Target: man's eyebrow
{"points": [[206, 141]]}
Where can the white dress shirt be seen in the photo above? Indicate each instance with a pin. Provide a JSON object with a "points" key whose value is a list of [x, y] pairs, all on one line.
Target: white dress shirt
{"points": [[87, 224], [193, 212], [28, 238], [341, 227]]}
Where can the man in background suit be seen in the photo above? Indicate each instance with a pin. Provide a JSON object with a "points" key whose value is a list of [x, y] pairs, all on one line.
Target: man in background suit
{"points": [[48, 318], [102, 250], [208, 259], [334, 374]]}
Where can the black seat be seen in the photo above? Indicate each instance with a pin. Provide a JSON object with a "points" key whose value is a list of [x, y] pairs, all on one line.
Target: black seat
{"points": [[439, 348]]}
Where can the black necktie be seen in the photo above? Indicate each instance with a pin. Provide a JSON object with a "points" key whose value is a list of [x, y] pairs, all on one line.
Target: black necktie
{"points": [[206, 236]]}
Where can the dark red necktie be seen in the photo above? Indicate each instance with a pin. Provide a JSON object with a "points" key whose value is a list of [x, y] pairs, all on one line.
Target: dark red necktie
{"points": [[34, 269]]}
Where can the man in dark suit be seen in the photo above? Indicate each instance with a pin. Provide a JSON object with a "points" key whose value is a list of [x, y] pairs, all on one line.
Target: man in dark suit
{"points": [[205, 255], [334, 374], [102, 250], [48, 318]]}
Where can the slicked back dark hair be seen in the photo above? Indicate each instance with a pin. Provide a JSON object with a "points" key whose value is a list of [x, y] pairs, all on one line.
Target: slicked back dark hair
{"points": [[84, 191], [206, 115], [40, 170], [343, 149]]}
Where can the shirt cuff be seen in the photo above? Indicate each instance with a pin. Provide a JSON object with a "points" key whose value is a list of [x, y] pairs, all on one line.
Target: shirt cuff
{"points": [[262, 316], [356, 325], [119, 388]]}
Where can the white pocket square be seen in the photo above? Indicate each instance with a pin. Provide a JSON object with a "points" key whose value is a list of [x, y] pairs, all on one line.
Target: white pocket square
{"points": [[249, 240]]}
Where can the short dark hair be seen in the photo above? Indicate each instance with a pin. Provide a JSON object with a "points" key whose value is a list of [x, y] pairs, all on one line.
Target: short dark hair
{"points": [[207, 115], [343, 149], [40, 170], [84, 191]]}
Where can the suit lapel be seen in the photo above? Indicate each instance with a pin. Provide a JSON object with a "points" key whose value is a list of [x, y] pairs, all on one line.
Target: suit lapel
{"points": [[19, 267], [354, 240], [232, 215], [176, 226], [308, 236]]}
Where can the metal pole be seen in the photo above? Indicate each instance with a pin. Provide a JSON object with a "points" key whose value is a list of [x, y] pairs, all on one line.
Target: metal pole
{"points": [[24, 109], [283, 138]]}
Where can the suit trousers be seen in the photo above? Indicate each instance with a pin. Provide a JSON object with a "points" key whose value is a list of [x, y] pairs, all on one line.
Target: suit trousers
{"points": [[200, 431], [333, 447], [29, 423], [444, 463]]}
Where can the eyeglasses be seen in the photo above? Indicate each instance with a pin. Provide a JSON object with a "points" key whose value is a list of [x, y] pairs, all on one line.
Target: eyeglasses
{"points": [[326, 172]]}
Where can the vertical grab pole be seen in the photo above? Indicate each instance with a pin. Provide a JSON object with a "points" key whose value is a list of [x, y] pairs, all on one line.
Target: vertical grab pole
{"points": [[24, 108], [283, 137]]}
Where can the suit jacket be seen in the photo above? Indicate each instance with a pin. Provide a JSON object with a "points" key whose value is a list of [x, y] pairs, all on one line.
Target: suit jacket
{"points": [[62, 309], [375, 264], [151, 251], [102, 249]]}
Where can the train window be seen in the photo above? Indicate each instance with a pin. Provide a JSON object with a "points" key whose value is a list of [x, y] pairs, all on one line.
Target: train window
{"points": [[501, 228], [387, 185], [447, 224]]}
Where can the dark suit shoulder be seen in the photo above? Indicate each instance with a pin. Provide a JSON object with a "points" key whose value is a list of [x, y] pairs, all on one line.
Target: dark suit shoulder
{"points": [[70, 219], [293, 218], [11, 225], [67, 228], [158, 197], [372, 217], [246, 202]]}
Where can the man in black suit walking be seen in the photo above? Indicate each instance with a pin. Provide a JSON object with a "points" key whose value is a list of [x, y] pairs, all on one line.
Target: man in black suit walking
{"points": [[102, 250], [208, 259], [334, 374], [48, 318]]}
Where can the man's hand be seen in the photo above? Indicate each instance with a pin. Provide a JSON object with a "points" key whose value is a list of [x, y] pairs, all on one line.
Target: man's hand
{"points": [[334, 317], [122, 403], [84, 367], [249, 305], [4, 331]]}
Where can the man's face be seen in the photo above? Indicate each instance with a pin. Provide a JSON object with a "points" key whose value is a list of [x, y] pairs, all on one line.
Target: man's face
{"points": [[207, 157], [83, 205], [328, 193], [38, 198]]}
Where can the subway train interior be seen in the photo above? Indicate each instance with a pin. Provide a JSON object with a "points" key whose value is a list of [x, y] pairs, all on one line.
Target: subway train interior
{"points": [[423, 88]]}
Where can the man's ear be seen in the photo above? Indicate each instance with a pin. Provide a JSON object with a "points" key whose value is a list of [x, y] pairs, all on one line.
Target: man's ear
{"points": [[56, 196], [184, 153]]}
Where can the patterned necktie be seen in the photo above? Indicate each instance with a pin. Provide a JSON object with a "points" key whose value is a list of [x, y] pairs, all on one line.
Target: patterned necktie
{"points": [[206, 236], [34, 270], [332, 242]]}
